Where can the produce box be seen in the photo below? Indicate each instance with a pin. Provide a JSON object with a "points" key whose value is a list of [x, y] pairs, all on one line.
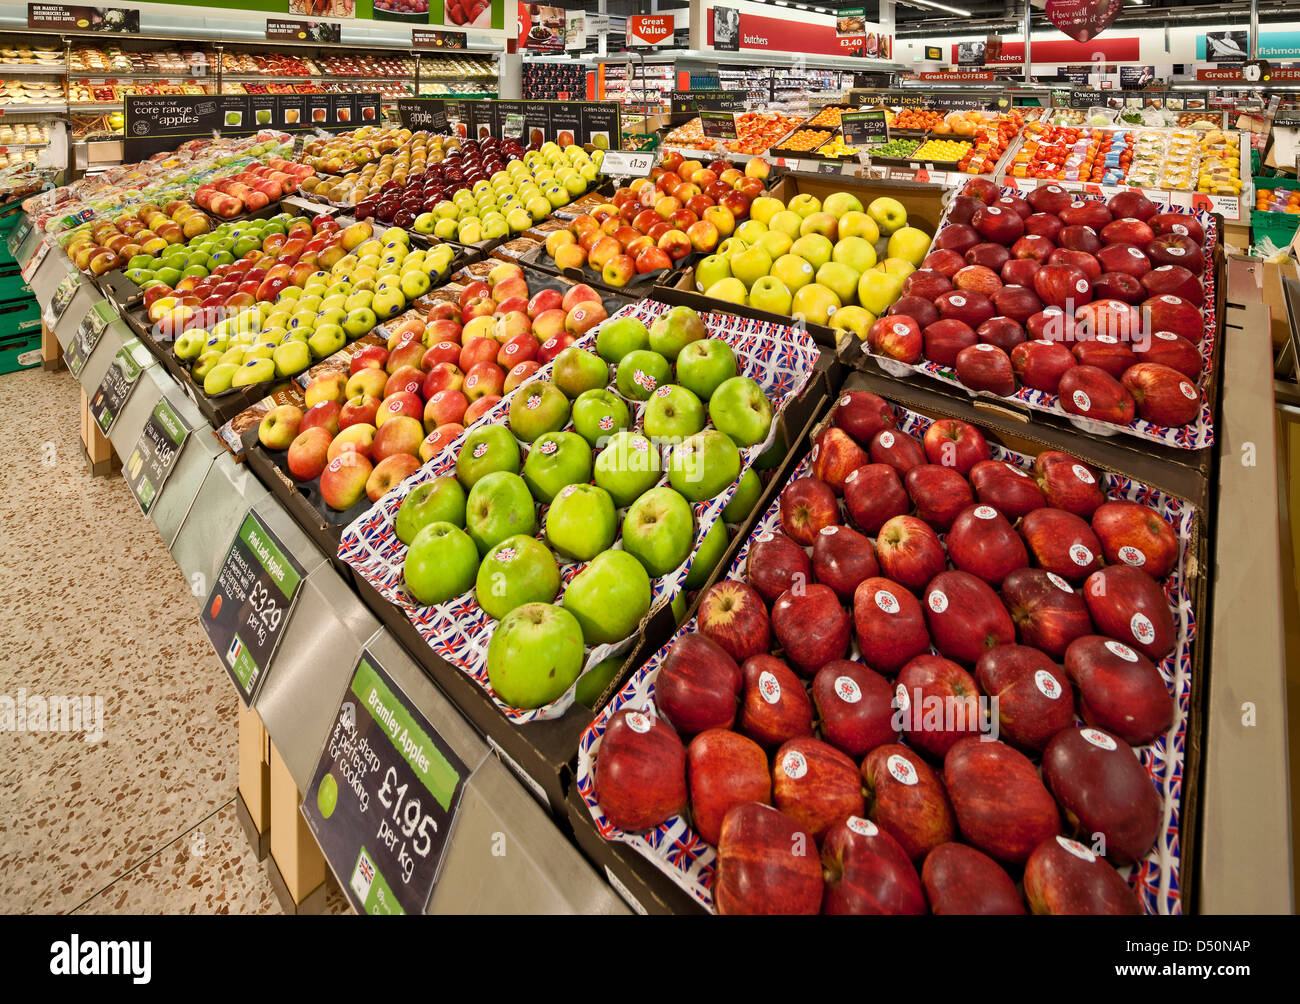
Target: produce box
{"points": [[19, 351], [450, 639], [1278, 226], [638, 863], [1188, 444]]}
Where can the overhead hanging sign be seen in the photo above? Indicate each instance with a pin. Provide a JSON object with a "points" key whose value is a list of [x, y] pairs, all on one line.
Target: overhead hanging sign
{"points": [[724, 29], [649, 29], [774, 34], [1083, 19], [541, 29], [575, 30], [956, 76], [1125, 49]]}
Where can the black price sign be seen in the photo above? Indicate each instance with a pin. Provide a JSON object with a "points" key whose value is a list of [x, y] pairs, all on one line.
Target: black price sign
{"points": [[694, 102], [120, 378], [384, 796], [429, 114], [718, 125], [250, 603], [154, 456], [867, 128], [829, 167], [1086, 98], [89, 332]]}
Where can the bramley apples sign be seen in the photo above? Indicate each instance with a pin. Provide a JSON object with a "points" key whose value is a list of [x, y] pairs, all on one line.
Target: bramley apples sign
{"points": [[1083, 20]]}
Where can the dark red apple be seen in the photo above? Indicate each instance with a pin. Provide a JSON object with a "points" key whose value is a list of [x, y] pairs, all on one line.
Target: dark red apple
{"points": [[640, 772], [965, 616], [767, 865], [1086, 213], [909, 552], [1068, 482], [775, 563], [842, 558], [774, 706], [986, 367], [945, 261], [1041, 363], [724, 769], [1171, 313], [1033, 247], [945, 338], [835, 456], [962, 305], [1135, 534], [1004, 332], [862, 414], [1044, 225], [1020, 303], [1006, 487], [1000, 804], [811, 627], [815, 785], [855, 707], [989, 255], [734, 615], [889, 625], [940, 704], [1064, 286], [1129, 606], [1163, 395], [1052, 324], [897, 449], [1105, 352], [1034, 700], [959, 881], [1082, 260], [928, 284], [896, 336], [1062, 543], [994, 223], [1114, 318], [1016, 205], [1178, 223], [919, 309], [698, 685], [977, 279], [1020, 271], [1129, 202], [939, 494], [1077, 238], [1176, 249], [1047, 612], [1173, 351], [807, 505], [1094, 393], [1174, 280], [980, 190], [953, 443], [1119, 286], [1104, 791], [867, 873], [1065, 878], [1049, 199], [983, 543], [874, 495], [906, 799], [1120, 689], [1126, 258]]}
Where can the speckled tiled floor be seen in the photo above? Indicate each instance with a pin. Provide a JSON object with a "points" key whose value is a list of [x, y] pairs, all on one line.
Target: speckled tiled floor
{"points": [[91, 603]]}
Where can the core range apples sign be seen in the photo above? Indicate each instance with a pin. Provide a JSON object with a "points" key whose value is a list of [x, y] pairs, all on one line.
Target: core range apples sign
{"points": [[784, 700]]}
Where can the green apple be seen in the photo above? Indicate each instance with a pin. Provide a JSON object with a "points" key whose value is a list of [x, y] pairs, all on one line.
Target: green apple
{"points": [[730, 290], [628, 466], [485, 450], [599, 413], [672, 413], [536, 408], [815, 249], [581, 522], [446, 228], [254, 371], [204, 365], [441, 500], [576, 371], [326, 340], [731, 247], [280, 427], [640, 372], [327, 796], [359, 320], [190, 344], [556, 460], [786, 222], [840, 279], [414, 283], [776, 243], [704, 365], [499, 506], [815, 304], [840, 203], [900, 267], [774, 454], [805, 205], [361, 298], [424, 223], [746, 497], [750, 231], [770, 294], [673, 330], [387, 302], [658, 530], [290, 358], [535, 654], [609, 597], [710, 271], [704, 464], [859, 224], [518, 570], [878, 290], [910, 244], [617, 337], [793, 272], [764, 208], [889, 215], [856, 252], [594, 681], [740, 409], [709, 553], [441, 563], [751, 265]]}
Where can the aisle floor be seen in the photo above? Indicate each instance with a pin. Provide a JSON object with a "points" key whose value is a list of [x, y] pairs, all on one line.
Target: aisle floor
{"points": [[142, 820]]}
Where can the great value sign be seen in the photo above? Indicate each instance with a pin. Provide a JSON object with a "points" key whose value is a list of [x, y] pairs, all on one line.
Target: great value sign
{"points": [[649, 29]]}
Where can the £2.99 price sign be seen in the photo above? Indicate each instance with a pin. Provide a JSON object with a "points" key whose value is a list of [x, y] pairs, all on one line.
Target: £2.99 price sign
{"points": [[384, 795], [248, 607]]}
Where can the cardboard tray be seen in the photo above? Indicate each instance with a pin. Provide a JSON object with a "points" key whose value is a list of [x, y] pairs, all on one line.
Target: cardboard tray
{"points": [[649, 889]]}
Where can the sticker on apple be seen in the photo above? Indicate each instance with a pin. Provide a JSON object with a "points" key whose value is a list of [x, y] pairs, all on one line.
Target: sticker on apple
{"points": [[956, 301], [1059, 582], [1080, 555], [902, 770], [663, 391], [794, 765], [480, 449], [506, 555], [853, 476], [862, 827], [1179, 229], [769, 687], [764, 537], [845, 401], [886, 439], [1099, 739], [1076, 848], [847, 690], [1188, 390], [1166, 336], [901, 700], [1081, 400], [887, 601], [938, 601], [1082, 286], [1047, 684], [549, 447], [829, 531], [901, 329], [1135, 253], [1131, 555], [1142, 628], [638, 722], [1123, 651], [986, 512], [1083, 474]]}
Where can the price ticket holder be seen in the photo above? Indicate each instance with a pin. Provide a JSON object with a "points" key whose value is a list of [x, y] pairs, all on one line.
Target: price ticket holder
{"points": [[190, 467]]}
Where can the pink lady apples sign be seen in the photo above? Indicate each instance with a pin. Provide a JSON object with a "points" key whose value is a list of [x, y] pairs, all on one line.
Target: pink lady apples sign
{"points": [[1083, 19]]}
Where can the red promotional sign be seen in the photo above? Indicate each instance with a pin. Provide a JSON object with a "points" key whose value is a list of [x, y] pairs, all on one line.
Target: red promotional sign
{"points": [[1115, 50], [1083, 19], [955, 75], [649, 29], [1234, 73], [778, 35]]}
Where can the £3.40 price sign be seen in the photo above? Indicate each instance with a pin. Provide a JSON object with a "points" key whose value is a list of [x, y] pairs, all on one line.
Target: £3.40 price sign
{"points": [[384, 796]]}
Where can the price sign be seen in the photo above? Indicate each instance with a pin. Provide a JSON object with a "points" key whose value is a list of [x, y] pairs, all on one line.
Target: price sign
{"points": [[154, 456], [513, 125], [718, 125], [1086, 98], [19, 235], [115, 389], [63, 294], [247, 609], [864, 128], [34, 262], [384, 796], [89, 332], [627, 164], [829, 167]]}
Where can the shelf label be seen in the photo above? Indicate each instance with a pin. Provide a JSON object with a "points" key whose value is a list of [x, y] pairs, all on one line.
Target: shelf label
{"points": [[63, 294], [122, 375], [627, 164], [89, 332], [250, 603], [384, 796], [864, 128], [30, 266], [829, 167], [155, 454], [718, 125], [18, 235]]}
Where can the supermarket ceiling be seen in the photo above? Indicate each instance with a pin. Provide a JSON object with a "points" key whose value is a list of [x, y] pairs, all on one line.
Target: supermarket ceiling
{"points": [[937, 17]]}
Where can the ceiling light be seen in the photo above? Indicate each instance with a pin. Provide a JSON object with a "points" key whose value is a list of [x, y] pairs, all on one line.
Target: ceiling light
{"points": [[938, 6]]}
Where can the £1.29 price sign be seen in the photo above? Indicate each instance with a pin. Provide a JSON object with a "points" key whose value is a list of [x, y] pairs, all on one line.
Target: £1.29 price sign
{"points": [[384, 796]]}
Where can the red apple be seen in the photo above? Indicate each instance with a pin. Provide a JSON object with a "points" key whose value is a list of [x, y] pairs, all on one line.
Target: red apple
{"points": [[945, 338], [1173, 351], [841, 559], [988, 255], [867, 873], [896, 336], [1129, 606], [965, 616], [724, 769], [1049, 199], [919, 309], [939, 494], [889, 624], [1130, 202], [1119, 689], [959, 237], [960, 881], [1077, 238], [1113, 318], [940, 704], [983, 543], [807, 505], [1174, 280], [1177, 223], [1168, 312], [1176, 249], [1047, 613], [811, 627], [1094, 393], [1062, 543], [1119, 286], [1163, 395], [1052, 324], [873, 495], [1041, 363], [1082, 260], [698, 685], [1000, 804], [862, 414], [835, 456], [1033, 697], [1006, 487], [972, 308], [1068, 482], [1086, 213], [1020, 303], [775, 563], [1062, 285], [994, 223], [1046, 225], [1106, 353], [980, 190], [1134, 534], [1002, 332], [732, 614], [897, 449], [640, 775], [986, 367], [767, 864], [977, 279], [815, 784], [909, 552], [1063, 877], [928, 284], [1126, 258], [906, 798], [855, 707], [774, 706], [944, 261]]}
